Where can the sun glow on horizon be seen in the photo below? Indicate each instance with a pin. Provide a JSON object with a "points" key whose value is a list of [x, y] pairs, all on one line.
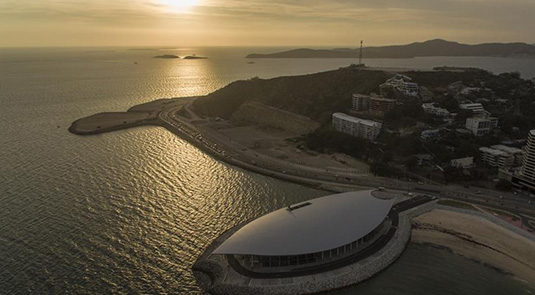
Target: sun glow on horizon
{"points": [[181, 6]]}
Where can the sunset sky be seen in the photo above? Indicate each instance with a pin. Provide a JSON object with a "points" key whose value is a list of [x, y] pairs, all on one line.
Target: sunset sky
{"points": [[261, 22]]}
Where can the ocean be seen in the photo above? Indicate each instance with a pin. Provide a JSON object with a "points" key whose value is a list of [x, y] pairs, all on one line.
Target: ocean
{"points": [[129, 212]]}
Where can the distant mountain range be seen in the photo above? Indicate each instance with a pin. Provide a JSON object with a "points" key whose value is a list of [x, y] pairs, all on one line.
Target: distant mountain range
{"points": [[435, 47]]}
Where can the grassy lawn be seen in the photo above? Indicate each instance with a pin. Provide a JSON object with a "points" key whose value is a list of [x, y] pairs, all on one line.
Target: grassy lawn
{"points": [[456, 204]]}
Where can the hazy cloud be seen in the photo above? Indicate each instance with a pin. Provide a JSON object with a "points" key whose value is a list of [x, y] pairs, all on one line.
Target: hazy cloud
{"points": [[262, 22]]}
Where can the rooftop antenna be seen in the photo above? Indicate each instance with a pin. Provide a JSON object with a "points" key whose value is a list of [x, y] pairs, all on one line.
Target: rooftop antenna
{"points": [[360, 53]]}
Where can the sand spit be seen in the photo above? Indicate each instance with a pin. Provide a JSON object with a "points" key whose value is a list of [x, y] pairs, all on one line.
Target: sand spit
{"points": [[105, 122], [478, 239], [139, 115]]}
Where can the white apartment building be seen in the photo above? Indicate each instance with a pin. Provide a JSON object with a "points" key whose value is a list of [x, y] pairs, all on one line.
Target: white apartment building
{"points": [[476, 108], [356, 127], [496, 158], [430, 108], [518, 154], [410, 88], [400, 82], [481, 126]]}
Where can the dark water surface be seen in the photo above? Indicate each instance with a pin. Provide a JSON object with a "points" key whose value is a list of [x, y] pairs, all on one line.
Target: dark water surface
{"points": [[129, 212]]}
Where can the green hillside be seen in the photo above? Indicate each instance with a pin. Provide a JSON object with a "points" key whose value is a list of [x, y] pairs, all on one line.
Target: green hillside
{"points": [[316, 96]]}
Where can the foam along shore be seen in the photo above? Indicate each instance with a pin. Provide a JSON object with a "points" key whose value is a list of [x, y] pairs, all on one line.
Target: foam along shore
{"points": [[139, 115], [480, 239]]}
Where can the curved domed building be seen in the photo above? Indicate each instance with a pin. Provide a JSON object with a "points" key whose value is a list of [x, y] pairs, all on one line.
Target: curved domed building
{"points": [[318, 245], [309, 234]]}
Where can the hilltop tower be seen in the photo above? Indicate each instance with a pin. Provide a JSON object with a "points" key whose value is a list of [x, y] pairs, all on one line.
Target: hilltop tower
{"points": [[360, 54]]}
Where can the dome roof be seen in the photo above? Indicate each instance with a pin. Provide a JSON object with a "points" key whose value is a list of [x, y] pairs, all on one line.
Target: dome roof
{"points": [[317, 225]]}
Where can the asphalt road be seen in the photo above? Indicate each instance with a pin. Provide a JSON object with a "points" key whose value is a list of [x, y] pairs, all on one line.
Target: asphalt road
{"points": [[239, 155]]}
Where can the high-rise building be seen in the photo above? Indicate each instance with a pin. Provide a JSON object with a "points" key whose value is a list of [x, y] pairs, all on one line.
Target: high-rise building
{"points": [[526, 177]]}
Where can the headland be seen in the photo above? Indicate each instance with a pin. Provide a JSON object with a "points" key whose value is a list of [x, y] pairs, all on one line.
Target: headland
{"points": [[262, 131], [435, 47]]}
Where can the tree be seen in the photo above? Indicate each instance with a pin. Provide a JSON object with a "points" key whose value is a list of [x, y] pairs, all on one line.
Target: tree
{"points": [[411, 163], [504, 185]]}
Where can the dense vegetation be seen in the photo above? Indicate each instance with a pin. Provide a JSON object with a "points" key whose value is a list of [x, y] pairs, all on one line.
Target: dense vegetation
{"points": [[506, 96], [315, 96]]}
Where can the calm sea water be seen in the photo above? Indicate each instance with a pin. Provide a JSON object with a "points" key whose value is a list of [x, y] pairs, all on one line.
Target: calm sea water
{"points": [[129, 212]]}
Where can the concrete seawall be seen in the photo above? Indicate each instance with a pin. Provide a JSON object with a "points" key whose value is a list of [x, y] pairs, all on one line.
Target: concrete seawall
{"points": [[216, 276]]}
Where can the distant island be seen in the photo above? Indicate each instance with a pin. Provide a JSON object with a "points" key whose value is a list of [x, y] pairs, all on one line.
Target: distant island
{"points": [[435, 47], [170, 56], [195, 57]]}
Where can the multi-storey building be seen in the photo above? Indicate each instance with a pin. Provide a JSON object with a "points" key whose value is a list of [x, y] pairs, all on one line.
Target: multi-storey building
{"points": [[430, 108], [496, 158], [517, 153], [361, 102], [526, 177], [357, 127], [381, 105], [476, 108], [374, 104], [401, 83], [481, 126]]}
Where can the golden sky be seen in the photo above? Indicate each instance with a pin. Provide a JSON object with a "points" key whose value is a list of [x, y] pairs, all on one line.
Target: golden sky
{"points": [[261, 22]]}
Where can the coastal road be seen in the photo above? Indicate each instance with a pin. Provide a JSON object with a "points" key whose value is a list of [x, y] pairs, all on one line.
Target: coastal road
{"points": [[236, 154]]}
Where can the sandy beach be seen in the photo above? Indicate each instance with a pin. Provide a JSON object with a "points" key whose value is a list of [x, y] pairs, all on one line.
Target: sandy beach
{"points": [[478, 239]]}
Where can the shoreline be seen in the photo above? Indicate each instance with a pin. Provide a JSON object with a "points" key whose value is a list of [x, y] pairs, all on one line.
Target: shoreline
{"points": [[145, 114], [216, 275], [167, 117], [81, 126], [479, 238], [174, 115]]}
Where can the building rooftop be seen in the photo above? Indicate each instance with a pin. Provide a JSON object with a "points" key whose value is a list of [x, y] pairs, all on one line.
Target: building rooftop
{"points": [[356, 120], [317, 225], [493, 151], [479, 119], [507, 149]]}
